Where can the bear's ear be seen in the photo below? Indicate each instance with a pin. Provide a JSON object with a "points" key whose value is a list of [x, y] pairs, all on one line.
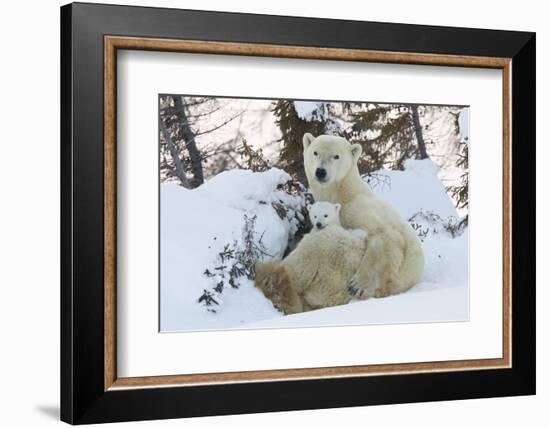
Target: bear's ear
{"points": [[309, 208], [337, 207], [307, 139], [356, 151]]}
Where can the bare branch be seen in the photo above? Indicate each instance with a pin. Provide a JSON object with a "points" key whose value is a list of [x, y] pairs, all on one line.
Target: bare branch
{"points": [[221, 125]]}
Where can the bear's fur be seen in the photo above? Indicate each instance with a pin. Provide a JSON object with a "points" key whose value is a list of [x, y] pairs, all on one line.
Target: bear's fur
{"points": [[315, 274], [393, 261]]}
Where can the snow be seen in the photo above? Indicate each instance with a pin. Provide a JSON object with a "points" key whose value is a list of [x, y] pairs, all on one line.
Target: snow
{"points": [[250, 187], [307, 109], [415, 306], [196, 224], [310, 110], [418, 188], [464, 124]]}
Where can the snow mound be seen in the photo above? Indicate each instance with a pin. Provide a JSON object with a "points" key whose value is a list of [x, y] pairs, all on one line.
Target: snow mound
{"points": [[243, 189], [415, 189], [196, 225]]}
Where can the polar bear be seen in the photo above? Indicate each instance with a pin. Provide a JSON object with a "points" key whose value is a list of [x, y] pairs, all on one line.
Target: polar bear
{"points": [[315, 275], [393, 261]]}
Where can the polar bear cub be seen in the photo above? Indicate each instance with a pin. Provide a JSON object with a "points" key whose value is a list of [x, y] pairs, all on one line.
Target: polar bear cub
{"points": [[315, 275], [323, 214]]}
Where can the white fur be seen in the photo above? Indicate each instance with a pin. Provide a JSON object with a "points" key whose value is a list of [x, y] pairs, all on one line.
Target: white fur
{"points": [[315, 275], [393, 261], [321, 214]]}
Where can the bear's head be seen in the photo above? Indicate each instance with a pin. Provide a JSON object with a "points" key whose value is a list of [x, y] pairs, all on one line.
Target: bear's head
{"points": [[328, 159], [322, 214]]}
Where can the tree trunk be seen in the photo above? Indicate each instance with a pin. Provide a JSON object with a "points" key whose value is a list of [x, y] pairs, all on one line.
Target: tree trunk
{"points": [[423, 154], [179, 170], [190, 143]]}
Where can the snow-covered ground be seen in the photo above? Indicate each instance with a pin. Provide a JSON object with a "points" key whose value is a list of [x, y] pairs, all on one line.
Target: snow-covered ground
{"points": [[197, 224]]}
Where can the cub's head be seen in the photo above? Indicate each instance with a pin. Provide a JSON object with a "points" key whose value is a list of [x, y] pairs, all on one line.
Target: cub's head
{"points": [[322, 214], [328, 159]]}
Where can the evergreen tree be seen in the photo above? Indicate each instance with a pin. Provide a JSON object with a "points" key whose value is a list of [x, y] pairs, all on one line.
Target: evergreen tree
{"points": [[388, 134], [253, 160], [460, 192], [293, 128]]}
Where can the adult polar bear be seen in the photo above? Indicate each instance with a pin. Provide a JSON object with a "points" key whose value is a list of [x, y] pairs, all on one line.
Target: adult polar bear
{"points": [[393, 261]]}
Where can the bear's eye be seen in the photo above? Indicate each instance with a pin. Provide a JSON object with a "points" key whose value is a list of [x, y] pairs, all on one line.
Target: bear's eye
{"points": [[326, 215], [314, 216], [336, 157], [314, 153]]}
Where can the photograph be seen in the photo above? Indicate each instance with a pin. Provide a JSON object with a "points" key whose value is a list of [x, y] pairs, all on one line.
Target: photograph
{"points": [[286, 213]]}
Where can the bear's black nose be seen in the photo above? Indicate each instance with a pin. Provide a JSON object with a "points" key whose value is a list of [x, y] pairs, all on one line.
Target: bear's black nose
{"points": [[320, 173], [318, 224]]}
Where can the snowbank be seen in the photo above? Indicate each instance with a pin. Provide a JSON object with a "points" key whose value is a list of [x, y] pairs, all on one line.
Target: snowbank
{"points": [[418, 188], [196, 224]]}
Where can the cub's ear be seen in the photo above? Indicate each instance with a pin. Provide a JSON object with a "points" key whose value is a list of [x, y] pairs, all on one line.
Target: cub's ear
{"points": [[307, 139], [337, 207], [356, 151], [309, 208]]}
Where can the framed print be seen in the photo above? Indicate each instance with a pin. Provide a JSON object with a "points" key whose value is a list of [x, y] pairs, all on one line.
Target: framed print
{"points": [[322, 213]]}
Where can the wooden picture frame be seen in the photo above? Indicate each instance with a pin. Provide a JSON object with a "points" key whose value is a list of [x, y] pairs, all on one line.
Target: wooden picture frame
{"points": [[91, 391]]}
